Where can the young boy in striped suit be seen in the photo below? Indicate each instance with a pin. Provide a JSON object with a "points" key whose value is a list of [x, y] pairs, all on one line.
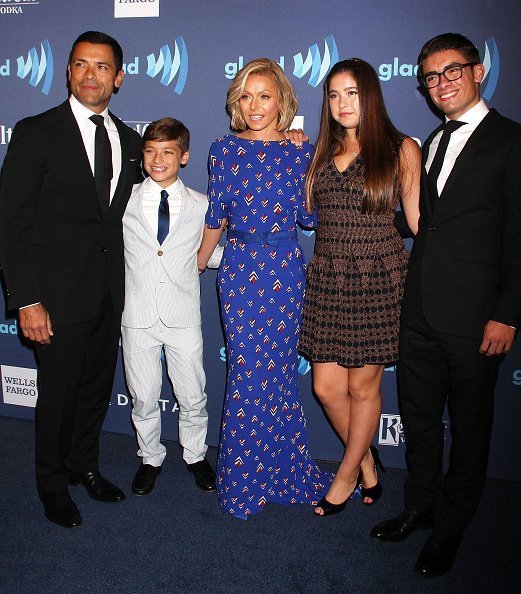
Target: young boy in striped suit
{"points": [[162, 229]]}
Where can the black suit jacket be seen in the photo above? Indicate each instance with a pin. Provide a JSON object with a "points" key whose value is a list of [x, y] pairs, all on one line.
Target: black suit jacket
{"points": [[56, 245], [465, 266]]}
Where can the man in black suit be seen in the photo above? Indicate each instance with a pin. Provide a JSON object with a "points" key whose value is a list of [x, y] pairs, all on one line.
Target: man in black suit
{"points": [[65, 183], [462, 301]]}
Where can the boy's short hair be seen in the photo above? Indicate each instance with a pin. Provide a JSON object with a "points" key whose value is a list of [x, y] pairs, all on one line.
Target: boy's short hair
{"points": [[168, 129]]}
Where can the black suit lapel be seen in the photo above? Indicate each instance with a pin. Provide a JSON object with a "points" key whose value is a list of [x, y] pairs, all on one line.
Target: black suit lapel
{"points": [[467, 154], [69, 131]]}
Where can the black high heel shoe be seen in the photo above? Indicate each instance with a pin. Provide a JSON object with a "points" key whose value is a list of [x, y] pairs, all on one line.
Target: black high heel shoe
{"points": [[329, 508], [375, 492]]}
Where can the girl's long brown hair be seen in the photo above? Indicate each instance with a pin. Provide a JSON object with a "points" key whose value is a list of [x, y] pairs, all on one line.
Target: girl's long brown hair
{"points": [[379, 140]]}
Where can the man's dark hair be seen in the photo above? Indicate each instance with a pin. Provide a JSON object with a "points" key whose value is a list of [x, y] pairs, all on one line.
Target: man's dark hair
{"points": [[102, 39], [168, 129], [448, 41]]}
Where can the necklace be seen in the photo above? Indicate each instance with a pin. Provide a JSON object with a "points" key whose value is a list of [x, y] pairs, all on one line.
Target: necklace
{"points": [[354, 153]]}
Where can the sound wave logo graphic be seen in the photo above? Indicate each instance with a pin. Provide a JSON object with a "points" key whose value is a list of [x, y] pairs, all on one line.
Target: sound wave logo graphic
{"points": [[318, 65], [171, 66], [304, 366], [490, 60], [39, 67]]}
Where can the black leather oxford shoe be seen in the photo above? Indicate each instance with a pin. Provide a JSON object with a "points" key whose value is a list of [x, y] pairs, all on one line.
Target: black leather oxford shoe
{"points": [[438, 555], [399, 528], [204, 475], [98, 488], [60, 509], [145, 479]]}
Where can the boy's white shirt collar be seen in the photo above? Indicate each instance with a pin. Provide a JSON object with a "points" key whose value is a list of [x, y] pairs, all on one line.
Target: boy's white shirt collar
{"points": [[176, 187]]}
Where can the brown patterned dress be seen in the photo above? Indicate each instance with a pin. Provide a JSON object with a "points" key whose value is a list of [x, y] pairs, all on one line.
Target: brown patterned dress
{"points": [[355, 278]]}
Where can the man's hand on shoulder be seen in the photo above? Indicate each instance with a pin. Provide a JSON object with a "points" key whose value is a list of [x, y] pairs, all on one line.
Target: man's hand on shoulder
{"points": [[296, 137], [497, 339], [35, 323]]}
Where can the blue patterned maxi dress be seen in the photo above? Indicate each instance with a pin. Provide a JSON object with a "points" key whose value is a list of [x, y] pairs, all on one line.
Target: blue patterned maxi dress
{"points": [[263, 451]]}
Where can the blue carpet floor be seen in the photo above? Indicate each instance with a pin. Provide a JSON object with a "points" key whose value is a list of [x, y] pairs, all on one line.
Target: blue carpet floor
{"points": [[177, 539]]}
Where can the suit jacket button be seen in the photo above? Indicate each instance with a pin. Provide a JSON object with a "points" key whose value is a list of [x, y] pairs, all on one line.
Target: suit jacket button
{"points": [[103, 250], [432, 228], [159, 253]]}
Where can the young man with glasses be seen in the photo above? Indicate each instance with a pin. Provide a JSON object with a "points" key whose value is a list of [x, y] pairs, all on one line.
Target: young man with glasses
{"points": [[462, 301]]}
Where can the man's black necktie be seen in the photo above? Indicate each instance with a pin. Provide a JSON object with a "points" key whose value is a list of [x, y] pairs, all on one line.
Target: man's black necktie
{"points": [[437, 163], [163, 218], [102, 161]]}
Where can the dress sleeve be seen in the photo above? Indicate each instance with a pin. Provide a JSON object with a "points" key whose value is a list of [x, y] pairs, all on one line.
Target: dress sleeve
{"points": [[303, 217], [216, 187]]}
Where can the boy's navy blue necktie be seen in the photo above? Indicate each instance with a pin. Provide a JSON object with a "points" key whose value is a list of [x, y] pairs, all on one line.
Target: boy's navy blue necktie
{"points": [[163, 218], [102, 161]]}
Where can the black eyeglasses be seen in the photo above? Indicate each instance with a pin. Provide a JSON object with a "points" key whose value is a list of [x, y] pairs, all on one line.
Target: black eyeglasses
{"points": [[452, 72]]}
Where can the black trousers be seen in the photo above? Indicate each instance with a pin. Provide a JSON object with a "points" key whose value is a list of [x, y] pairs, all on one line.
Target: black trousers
{"points": [[75, 377], [435, 370]]}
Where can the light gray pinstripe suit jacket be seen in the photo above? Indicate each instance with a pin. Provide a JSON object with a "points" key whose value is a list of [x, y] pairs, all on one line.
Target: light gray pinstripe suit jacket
{"points": [[162, 281]]}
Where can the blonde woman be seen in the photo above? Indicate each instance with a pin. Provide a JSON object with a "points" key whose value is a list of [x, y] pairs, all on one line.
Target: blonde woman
{"points": [[256, 185]]}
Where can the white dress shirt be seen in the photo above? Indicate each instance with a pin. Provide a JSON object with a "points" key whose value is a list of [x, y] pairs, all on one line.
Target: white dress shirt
{"points": [[152, 197], [458, 139], [88, 133]]}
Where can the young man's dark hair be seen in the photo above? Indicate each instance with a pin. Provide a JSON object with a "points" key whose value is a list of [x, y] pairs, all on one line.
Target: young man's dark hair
{"points": [[448, 41]]}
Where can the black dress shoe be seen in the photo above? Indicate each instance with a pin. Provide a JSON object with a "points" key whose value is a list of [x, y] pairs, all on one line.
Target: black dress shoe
{"points": [[204, 475], [438, 555], [145, 479], [60, 509], [98, 488], [399, 528]]}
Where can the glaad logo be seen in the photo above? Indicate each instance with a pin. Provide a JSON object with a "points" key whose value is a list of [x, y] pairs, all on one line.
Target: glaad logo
{"points": [[516, 377], [39, 67], [19, 385], [9, 328], [304, 366], [490, 59], [391, 430], [319, 66], [171, 66], [386, 71]]}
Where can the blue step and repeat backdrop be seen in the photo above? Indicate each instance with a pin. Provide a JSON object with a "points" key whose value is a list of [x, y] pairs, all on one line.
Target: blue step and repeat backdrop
{"points": [[180, 57]]}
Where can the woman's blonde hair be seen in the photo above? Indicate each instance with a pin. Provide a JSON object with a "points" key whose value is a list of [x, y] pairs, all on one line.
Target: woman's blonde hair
{"points": [[287, 100]]}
